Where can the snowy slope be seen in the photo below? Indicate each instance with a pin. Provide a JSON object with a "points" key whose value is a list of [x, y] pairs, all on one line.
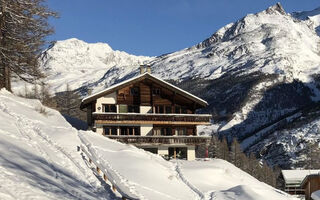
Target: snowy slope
{"points": [[148, 176], [78, 64], [312, 16], [39, 159]]}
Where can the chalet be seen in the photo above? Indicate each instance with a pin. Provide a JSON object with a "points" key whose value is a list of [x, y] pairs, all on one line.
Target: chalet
{"points": [[311, 183], [295, 180], [149, 113]]}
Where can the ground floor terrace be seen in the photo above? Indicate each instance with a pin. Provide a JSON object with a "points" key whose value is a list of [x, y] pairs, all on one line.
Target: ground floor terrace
{"points": [[169, 141]]}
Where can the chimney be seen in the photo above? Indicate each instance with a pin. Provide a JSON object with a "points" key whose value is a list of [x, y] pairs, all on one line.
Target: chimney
{"points": [[141, 69], [148, 68]]}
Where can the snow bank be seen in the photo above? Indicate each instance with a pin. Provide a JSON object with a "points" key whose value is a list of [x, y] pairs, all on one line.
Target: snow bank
{"points": [[39, 159], [148, 176], [219, 179], [316, 195]]}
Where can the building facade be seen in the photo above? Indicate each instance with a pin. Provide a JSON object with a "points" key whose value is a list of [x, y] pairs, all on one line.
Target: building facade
{"points": [[149, 113]]}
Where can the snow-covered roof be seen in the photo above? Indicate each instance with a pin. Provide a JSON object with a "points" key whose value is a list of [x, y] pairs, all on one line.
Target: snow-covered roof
{"points": [[297, 176], [147, 75]]}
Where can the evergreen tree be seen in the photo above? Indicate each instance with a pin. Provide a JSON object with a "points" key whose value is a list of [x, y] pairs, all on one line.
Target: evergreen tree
{"points": [[23, 28], [313, 156]]}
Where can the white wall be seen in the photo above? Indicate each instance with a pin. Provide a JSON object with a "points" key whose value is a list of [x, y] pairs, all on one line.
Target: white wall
{"points": [[191, 153], [99, 130], [107, 99], [146, 129], [163, 150], [145, 109]]}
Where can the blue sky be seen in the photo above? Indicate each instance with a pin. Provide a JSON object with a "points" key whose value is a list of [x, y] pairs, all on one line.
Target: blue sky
{"points": [[150, 27]]}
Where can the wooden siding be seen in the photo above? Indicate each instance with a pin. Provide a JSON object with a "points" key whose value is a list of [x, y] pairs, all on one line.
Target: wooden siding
{"points": [[312, 184], [146, 98]]}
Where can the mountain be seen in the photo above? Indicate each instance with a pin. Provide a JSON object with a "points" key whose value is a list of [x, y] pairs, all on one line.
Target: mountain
{"points": [[39, 160], [259, 74], [78, 64], [313, 17]]}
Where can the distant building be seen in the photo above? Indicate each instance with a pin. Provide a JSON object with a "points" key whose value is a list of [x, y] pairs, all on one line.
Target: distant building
{"points": [[311, 183], [294, 180], [150, 113]]}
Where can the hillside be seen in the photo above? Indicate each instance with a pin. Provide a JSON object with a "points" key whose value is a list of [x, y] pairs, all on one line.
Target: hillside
{"points": [[39, 160], [257, 73]]}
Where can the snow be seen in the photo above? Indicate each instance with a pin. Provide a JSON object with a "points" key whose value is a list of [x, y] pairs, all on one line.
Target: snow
{"points": [[294, 176], [39, 158], [77, 63], [316, 195], [312, 16], [149, 176]]}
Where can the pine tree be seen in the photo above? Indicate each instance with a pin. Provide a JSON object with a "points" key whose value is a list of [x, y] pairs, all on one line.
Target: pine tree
{"points": [[23, 28], [68, 101], [313, 156]]}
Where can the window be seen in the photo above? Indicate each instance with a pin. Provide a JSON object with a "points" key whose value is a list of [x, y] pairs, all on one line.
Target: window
{"points": [[184, 110], [133, 109], [162, 131], [123, 108], [109, 108], [110, 130], [134, 91], [168, 109], [177, 109], [180, 110], [156, 131], [180, 131], [127, 130], [156, 91], [159, 109]]}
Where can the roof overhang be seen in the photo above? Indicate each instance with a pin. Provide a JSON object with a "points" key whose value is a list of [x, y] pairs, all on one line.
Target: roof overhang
{"points": [[87, 100]]}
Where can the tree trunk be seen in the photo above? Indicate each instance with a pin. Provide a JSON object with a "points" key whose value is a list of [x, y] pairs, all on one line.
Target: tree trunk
{"points": [[7, 78]]}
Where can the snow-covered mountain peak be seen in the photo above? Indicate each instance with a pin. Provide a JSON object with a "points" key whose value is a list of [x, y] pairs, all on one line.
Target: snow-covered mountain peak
{"points": [[76, 43], [276, 9], [270, 41], [78, 63], [313, 17]]}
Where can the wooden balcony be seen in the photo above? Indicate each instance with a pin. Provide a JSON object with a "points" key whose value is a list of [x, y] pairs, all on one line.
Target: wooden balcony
{"points": [[188, 140], [139, 118]]}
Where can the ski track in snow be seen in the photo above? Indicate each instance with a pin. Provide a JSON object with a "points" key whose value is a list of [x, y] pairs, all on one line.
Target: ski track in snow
{"points": [[186, 182], [26, 129]]}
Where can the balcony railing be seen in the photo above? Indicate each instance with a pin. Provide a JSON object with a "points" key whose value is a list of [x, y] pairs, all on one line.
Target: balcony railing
{"points": [[201, 118], [188, 140]]}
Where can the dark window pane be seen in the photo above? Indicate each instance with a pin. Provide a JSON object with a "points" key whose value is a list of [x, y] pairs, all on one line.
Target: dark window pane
{"points": [[177, 109], [124, 131], [163, 131], [137, 130], [156, 91], [161, 110], [183, 110], [113, 108], [114, 131], [106, 131], [134, 91], [169, 131], [168, 109]]}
